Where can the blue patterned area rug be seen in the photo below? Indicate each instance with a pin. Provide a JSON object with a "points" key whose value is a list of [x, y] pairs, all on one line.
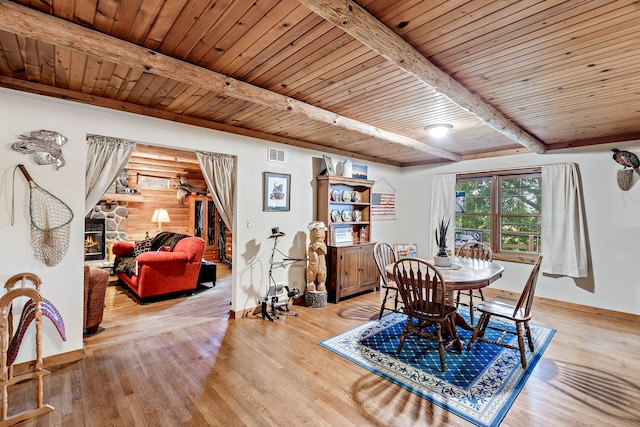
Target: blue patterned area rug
{"points": [[479, 385]]}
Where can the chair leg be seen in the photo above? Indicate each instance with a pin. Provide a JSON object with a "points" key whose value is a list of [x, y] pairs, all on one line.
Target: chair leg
{"points": [[403, 336], [395, 303], [485, 324], [440, 347], [454, 335], [384, 302], [400, 345], [529, 338], [523, 358], [481, 294], [479, 329], [458, 299], [471, 309]]}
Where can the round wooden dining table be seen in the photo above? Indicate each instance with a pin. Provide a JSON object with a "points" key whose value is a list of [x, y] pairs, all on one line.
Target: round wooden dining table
{"points": [[464, 274]]}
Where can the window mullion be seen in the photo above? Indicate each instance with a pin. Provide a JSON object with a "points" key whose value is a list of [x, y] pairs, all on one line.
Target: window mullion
{"points": [[495, 214]]}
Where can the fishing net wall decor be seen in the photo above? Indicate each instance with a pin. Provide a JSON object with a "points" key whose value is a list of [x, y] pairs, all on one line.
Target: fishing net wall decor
{"points": [[50, 223]]}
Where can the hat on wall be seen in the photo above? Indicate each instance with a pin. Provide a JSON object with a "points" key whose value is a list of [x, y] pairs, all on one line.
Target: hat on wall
{"points": [[275, 232]]}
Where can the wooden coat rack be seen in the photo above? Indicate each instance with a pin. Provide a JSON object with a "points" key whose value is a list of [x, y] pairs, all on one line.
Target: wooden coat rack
{"points": [[7, 337]]}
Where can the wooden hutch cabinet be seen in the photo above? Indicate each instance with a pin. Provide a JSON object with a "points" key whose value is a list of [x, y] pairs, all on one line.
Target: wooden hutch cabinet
{"points": [[350, 270], [203, 220], [343, 204]]}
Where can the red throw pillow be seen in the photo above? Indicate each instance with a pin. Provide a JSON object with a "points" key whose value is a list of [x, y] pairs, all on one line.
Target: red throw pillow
{"points": [[141, 246]]}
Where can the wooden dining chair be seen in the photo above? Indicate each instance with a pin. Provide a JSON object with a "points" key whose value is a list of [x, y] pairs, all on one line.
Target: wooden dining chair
{"points": [[384, 255], [477, 251], [519, 313], [423, 292]]}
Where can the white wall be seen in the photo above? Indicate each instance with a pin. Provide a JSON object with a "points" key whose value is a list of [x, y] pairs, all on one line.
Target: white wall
{"points": [[611, 213], [612, 221], [21, 113]]}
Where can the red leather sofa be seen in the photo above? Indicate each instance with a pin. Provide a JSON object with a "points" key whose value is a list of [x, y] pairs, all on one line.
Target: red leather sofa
{"points": [[161, 270]]}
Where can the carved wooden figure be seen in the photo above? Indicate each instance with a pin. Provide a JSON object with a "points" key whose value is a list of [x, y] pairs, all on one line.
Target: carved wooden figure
{"points": [[317, 269]]}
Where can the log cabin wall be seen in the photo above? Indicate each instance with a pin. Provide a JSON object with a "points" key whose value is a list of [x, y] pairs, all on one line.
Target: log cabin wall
{"points": [[164, 163]]}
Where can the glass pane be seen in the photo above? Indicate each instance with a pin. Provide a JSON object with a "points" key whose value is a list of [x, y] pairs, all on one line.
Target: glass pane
{"points": [[520, 243], [199, 218], [470, 204], [518, 204], [475, 222], [211, 224], [483, 204], [467, 221], [483, 222], [509, 204], [520, 201]]}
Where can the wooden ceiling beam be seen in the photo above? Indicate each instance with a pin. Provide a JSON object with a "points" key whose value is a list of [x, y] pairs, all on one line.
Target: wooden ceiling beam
{"points": [[69, 95], [36, 25], [358, 23], [607, 139]]}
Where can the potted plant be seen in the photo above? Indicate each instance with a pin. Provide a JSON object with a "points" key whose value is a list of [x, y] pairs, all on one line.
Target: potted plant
{"points": [[442, 258]]}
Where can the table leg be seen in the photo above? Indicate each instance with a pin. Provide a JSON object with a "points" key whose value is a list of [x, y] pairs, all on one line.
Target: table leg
{"points": [[458, 344], [461, 322]]}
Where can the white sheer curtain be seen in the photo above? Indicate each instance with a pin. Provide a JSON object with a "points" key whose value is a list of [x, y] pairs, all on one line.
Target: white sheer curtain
{"points": [[564, 237], [219, 172], [443, 205], [106, 157]]}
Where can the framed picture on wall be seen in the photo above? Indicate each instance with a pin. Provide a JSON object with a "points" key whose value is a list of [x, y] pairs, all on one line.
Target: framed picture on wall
{"points": [[406, 250], [327, 166], [276, 194], [464, 236], [154, 182]]}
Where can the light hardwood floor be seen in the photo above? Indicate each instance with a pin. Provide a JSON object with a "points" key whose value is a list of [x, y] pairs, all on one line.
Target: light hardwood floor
{"points": [[183, 363]]}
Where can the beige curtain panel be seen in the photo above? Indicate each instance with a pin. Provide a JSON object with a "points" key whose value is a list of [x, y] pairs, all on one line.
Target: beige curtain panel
{"points": [[443, 205], [564, 232], [219, 172], [106, 157]]}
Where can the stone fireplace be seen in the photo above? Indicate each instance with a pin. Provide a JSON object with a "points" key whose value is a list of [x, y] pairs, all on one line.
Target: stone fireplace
{"points": [[115, 224], [94, 239]]}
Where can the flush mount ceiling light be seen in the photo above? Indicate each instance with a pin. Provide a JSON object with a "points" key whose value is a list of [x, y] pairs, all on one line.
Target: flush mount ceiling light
{"points": [[438, 130]]}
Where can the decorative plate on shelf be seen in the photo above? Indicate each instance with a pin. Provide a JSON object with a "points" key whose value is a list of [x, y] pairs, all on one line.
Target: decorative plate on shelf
{"points": [[355, 197], [346, 196], [335, 195], [346, 216], [335, 216], [356, 215]]}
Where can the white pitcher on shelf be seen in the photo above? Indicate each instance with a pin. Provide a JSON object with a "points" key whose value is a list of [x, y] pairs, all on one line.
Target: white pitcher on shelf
{"points": [[347, 169]]}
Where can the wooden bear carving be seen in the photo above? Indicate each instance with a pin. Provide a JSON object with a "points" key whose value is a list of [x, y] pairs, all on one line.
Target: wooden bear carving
{"points": [[317, 269]]}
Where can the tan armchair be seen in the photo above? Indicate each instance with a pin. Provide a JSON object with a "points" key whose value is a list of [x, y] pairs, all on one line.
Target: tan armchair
{"points": [[96, 281]]}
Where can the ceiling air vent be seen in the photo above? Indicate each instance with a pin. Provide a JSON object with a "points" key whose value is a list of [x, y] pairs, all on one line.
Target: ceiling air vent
{"points": [[276, 155]]}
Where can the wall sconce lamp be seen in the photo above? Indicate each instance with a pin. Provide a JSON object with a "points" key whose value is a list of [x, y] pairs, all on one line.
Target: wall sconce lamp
{"points": [[160, 216], [438, 130]]}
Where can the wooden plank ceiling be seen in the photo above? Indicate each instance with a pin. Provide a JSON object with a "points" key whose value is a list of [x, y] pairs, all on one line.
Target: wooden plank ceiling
{"points": [[360, 79]]}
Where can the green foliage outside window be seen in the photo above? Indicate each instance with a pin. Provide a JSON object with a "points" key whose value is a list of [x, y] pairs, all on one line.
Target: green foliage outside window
{"points": [[476, 217], [511, 222], [520, 201]]}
